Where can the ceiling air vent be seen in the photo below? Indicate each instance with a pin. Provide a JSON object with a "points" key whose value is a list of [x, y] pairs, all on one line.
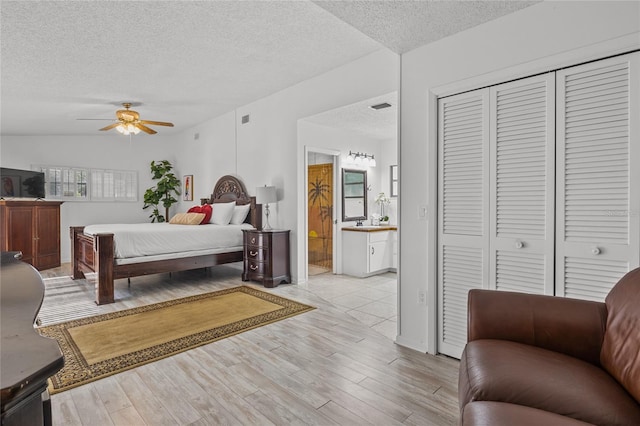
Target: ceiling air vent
{"points": [[380, 106]]}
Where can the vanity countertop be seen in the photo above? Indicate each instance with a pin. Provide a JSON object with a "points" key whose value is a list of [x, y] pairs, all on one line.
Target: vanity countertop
{"points": [[370, 228]]}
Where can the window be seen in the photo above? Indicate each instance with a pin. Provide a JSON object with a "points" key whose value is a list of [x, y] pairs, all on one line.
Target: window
{"points": [[114, 185], [80, 184], [65, 183]]}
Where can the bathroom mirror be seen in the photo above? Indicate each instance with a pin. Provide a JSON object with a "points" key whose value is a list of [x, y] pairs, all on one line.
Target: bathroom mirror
{"points": [[354, 195]]}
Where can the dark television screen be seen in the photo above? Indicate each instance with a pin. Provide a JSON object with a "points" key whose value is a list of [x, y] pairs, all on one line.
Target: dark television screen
{"points": [[17, 183]]}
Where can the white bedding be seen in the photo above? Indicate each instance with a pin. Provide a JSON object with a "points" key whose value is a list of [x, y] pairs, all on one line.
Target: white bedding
{"points": [[151, 239]]}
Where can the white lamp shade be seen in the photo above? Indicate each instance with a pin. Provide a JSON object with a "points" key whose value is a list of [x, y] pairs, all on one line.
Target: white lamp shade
{"points": [[266, 194]]}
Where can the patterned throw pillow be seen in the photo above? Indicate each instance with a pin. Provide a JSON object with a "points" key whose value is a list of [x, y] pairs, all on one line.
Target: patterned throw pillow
{"points": [[187, 218], [206, 209]]}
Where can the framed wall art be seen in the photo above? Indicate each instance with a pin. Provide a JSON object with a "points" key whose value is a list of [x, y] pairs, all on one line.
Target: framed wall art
{"points": [[187, 186], [393, 174]]}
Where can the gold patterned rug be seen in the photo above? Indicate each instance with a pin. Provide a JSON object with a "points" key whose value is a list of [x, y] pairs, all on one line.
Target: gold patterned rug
{"points": [[99, 346]]}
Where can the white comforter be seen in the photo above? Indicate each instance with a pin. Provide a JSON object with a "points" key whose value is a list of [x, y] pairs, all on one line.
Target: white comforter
{"points": [[149, 239]]}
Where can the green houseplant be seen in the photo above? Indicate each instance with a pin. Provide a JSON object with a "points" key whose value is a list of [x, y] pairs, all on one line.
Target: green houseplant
{"points": [[163, 192]]}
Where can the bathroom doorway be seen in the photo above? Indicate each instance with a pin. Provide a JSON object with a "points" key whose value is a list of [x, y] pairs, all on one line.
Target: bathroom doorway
{"points": [[320, 212]]}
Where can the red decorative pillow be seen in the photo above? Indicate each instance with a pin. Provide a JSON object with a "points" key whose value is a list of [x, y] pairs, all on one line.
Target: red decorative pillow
{"points": [[206, 209]]}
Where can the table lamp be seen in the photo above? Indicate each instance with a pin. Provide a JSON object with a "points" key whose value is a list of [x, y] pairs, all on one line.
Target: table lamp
{"points": [[265, 195]]}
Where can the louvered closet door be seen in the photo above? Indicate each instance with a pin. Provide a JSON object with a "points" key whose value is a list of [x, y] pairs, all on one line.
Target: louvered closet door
{"points": [[463, 207], [522, 180], [598, 161]]}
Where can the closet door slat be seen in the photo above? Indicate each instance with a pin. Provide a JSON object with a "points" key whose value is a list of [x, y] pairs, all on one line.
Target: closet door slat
{"points": [[462, 225], [522, 185], [598, 192]]}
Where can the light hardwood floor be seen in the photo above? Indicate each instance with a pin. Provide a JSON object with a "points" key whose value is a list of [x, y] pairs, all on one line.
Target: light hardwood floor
{"points": [[325, 367]]}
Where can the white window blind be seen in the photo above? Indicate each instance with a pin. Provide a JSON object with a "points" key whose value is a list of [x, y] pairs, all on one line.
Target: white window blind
{"points": [[82, 184], [114, 185], [65, 183]]}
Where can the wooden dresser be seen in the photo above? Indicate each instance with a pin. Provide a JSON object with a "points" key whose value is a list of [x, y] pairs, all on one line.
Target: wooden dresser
{"points": [[33, 228], [266, 257]]}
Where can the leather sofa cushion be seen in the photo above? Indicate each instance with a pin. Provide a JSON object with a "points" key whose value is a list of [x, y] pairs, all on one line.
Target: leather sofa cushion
{"points": [[504, 371], [620, 354], [493, 413]]}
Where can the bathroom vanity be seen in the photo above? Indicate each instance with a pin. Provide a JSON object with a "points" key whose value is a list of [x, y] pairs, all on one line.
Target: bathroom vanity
{"points": [[369, 250]]}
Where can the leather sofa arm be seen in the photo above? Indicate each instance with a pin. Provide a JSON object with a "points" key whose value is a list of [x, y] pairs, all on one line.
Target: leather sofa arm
{"points": [[570, 326]]}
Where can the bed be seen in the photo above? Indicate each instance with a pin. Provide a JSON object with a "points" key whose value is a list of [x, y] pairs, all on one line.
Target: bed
{"points": [[95, 252]]}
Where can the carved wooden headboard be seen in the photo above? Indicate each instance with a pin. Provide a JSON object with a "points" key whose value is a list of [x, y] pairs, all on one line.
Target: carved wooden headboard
{"points": [[230, 188]]}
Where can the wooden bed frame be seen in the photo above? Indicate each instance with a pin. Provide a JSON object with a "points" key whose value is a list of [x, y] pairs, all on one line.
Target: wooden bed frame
{"points": [[95, 253]]}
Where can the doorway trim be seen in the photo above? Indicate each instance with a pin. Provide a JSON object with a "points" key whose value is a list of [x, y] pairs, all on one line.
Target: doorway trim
{"points": [[336, 212]]}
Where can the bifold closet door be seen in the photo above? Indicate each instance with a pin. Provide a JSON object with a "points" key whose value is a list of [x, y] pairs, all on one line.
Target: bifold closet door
{"points": [[496, 191], [522, 160], [539, 188], [463, 242], [598, 161]]}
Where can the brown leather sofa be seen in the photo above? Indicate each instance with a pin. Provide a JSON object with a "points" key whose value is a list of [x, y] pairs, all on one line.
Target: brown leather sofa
{"points": [[544, 360]]}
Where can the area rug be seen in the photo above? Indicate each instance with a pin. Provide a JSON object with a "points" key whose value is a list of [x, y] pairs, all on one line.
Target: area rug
{"points": [[103, 345]]}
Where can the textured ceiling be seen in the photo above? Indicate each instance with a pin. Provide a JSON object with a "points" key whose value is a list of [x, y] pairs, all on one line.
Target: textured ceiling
{"points": [[189, 61], [363, 120], [403, 25]]}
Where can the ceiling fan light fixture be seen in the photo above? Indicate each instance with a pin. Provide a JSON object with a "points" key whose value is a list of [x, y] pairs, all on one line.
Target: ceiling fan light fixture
{"points": [[127, 129], [128, 122]]}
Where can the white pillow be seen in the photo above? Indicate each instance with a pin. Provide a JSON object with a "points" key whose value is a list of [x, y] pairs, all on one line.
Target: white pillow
{"points": [[240, 214], [222, 213]]}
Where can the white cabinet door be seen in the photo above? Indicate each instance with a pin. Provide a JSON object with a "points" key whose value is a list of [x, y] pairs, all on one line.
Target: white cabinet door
{"points": [[463, 211], [366, 253], [378, 256], [598, 191], [522, 147]]}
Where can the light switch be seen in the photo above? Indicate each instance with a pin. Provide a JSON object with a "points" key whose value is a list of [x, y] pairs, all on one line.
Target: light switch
{"points": [[422, 212]]}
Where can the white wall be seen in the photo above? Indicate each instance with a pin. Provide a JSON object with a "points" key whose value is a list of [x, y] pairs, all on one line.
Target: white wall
{"points": [[111, 151], [388, 157], [542, 37], [315, 136], [263, 151], [268, 152], [210, 156]]}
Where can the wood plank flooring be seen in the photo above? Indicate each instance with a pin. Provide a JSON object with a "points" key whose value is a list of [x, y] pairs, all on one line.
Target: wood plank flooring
{"points": [[324, 367]]}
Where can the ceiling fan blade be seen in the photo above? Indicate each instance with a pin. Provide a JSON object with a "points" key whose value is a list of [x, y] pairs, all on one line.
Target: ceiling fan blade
{"points": [[157, 123], [110, 126], [144, 128]]}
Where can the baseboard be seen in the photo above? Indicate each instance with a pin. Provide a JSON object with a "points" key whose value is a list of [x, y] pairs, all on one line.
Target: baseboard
{"points": [[411, 344]]}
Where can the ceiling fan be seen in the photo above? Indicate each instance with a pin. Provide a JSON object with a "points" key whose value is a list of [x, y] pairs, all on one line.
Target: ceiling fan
{"points": [[129, 122]]}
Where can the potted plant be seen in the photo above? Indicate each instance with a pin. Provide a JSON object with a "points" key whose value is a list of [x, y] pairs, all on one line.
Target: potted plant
{"points": [[382, 200], [163, 192]]}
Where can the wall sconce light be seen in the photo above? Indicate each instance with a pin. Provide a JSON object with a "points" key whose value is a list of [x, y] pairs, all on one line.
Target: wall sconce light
{"points": [[361, 159]]}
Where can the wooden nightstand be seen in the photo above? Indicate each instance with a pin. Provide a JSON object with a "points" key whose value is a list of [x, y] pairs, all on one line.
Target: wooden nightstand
{"points": [[266, 257]]}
